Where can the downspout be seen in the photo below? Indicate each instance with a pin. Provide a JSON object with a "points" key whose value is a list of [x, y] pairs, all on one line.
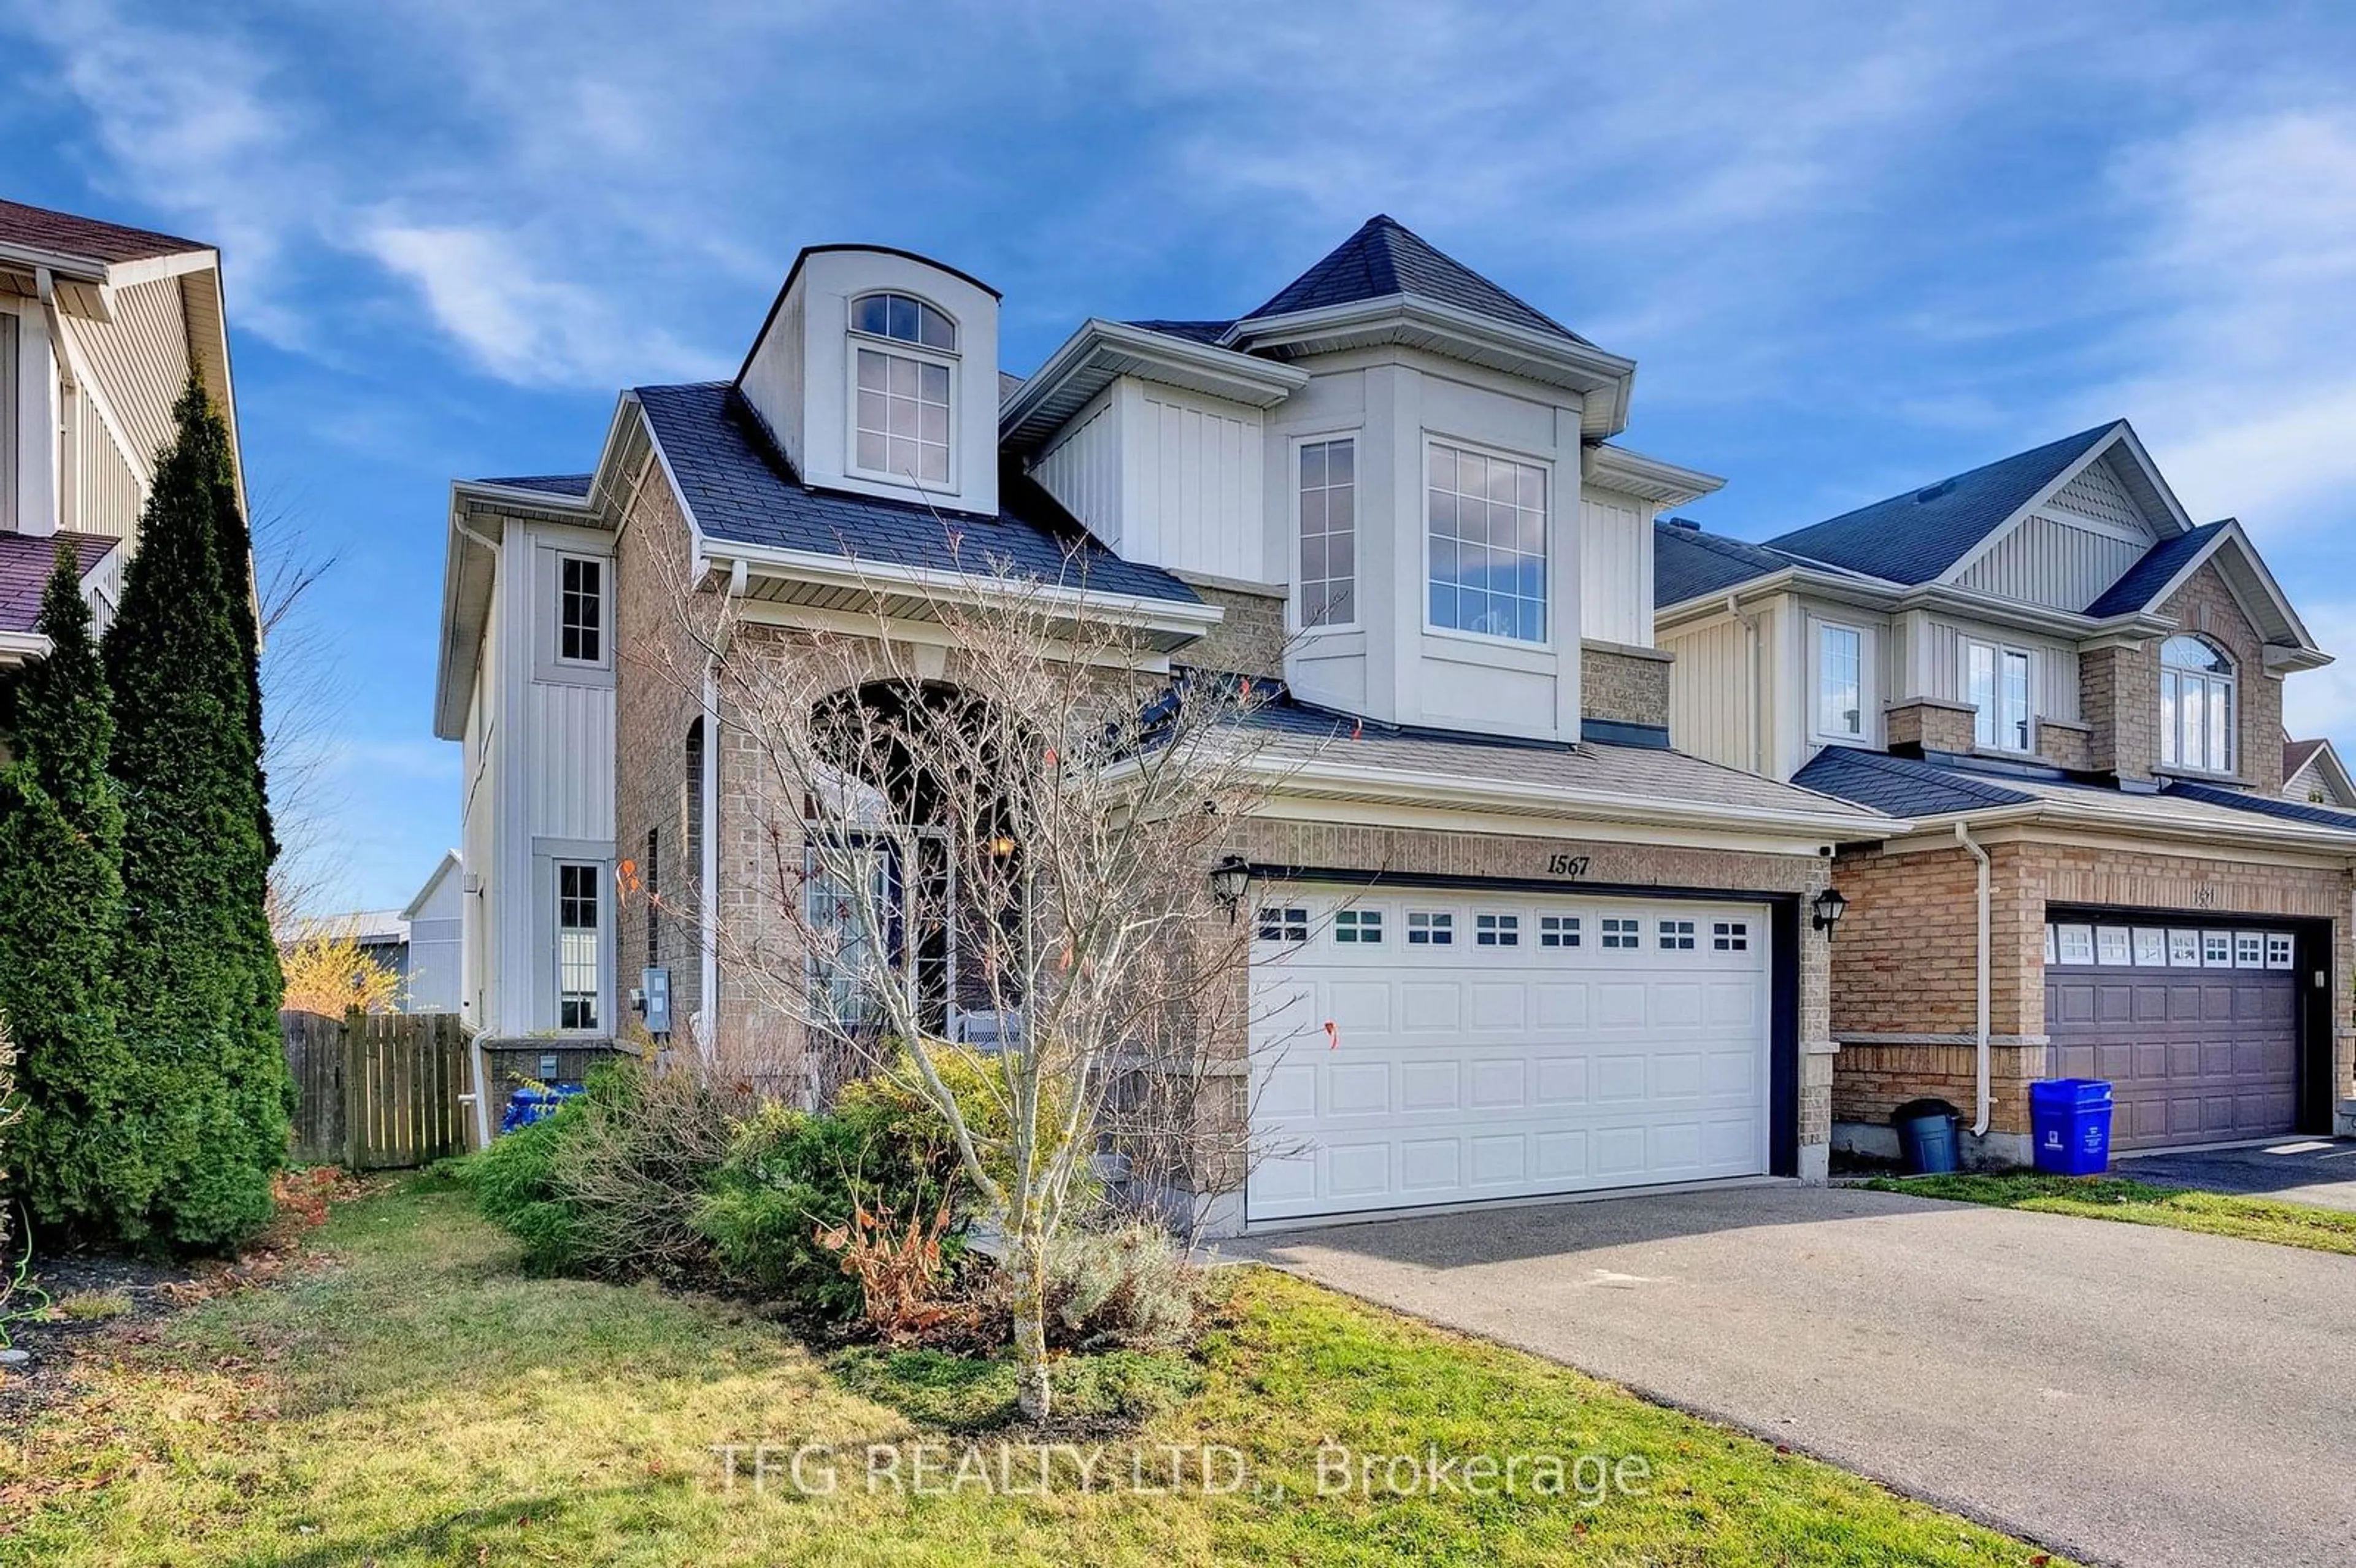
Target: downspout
{"points": [[477, 1060], [1963, 837], [1756, 737], [707, 1030]]}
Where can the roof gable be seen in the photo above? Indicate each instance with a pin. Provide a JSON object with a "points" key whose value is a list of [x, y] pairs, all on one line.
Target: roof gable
{"points": [[1384, 257], [1919, 535], [65, 235]]}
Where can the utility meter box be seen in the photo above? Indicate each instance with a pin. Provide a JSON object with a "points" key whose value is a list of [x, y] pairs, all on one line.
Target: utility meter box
{"points": [[656, 986]]}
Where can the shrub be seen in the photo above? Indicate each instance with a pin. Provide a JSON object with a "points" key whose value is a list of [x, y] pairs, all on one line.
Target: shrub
{"points": [[1132, 1288], [793, 1174], [609, 1186]]}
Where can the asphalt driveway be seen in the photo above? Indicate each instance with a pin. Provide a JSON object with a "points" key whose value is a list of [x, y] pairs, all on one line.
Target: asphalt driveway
{"points": [[2298, 1171], [2118, 1393]]}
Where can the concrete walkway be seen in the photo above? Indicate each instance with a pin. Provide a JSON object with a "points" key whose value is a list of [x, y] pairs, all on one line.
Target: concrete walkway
{"points": [[2120, 1393], [2297, 1170]]}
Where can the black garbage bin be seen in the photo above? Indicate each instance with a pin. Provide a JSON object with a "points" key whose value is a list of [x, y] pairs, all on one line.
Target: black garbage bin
{"points": [[1927, 1136]]}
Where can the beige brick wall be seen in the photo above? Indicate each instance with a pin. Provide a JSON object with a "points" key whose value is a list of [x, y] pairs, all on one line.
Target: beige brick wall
{"points": [[2118, 699], [1905, 962], [1928, 725], [657, 695], [1631, 685], [2064, 744], [2206, 606], [1250, 641]]}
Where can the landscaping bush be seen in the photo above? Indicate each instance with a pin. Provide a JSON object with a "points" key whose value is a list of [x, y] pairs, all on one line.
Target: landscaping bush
{"points": [[794, 1174], [1131, 1288], [610, 1185]]}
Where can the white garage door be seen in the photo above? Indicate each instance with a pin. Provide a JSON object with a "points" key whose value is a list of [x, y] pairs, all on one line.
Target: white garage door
{"points": [[1413, 1049]]}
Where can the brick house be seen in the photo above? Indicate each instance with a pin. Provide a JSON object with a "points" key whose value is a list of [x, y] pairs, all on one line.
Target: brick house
{"points": [[2073, 694], [101, 326], [1575, 959]]}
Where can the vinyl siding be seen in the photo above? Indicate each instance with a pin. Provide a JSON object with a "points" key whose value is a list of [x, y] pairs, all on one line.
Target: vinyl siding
{"points": [[1928, 661], [1194, 481], [140, 360], [1082, 469], [2053, 561], [1710, 712], [2096, 492], [1615, 568]]}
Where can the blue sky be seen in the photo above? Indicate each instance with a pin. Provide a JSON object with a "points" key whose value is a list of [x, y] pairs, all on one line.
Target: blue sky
{"points": [[1853, 248]]}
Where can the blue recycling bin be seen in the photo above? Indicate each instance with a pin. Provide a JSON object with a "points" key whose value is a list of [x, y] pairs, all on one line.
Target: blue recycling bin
{"points": [[526, 1106], [2070, 1120]]}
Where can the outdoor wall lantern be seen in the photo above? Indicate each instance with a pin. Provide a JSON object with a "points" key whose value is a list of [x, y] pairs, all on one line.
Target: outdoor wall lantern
{"points": [[1828, 909], [1228, 880]]}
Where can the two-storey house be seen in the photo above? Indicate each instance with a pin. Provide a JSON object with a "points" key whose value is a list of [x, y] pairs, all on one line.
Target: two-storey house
{"points": [[2073, 695], [1559, 955], [101, 326]]}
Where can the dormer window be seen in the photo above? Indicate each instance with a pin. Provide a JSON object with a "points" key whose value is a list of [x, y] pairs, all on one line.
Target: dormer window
{"points": [[2196, 706], [900, 421]]}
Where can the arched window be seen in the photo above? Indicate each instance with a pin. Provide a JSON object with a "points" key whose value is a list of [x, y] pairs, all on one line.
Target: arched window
{"points": [[901, 424], [2196, 706]]}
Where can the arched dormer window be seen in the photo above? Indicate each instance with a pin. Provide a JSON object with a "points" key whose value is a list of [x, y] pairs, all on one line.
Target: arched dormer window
{"points": [[900, 421], [2196, 706]]}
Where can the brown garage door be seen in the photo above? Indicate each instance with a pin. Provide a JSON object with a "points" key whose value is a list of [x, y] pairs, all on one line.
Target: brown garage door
{"points": [[2196, 1029]]}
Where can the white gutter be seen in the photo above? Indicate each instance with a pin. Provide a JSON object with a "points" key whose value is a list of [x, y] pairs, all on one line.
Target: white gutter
{"points": [[1963, 837]]}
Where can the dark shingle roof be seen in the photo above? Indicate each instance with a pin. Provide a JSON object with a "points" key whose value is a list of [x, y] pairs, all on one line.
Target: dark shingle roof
{"points": [[2266, 804], [1384, 257], [1687, 563], [1191, 331], [26, 562], [2297, 754], [87, 239], [740, 488], [574, 485], [2146, 577], [1914, 537], [1902, 786]]}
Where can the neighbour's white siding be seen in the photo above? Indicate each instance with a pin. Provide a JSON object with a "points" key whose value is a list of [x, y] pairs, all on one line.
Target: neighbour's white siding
{"points": [[1711, 711], [1615, 560], [1082, 468], [107, 496], [140, 360]]}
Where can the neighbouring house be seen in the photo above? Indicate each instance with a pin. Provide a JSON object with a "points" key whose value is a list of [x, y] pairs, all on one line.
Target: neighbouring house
{"points": [[1572, 957], [2073, 694], [419, 945], [100, 327], [2313, 773]]}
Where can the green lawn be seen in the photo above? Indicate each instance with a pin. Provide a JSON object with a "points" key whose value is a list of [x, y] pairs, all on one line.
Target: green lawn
{"points": [[2140, 1203], [413, 1399]]}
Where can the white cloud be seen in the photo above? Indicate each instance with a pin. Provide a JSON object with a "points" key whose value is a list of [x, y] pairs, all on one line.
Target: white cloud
{"points": [[2239, 341]]}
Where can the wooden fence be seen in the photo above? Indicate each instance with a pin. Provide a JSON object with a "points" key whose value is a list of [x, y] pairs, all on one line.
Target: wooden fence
{"points": [[378, 1092]]}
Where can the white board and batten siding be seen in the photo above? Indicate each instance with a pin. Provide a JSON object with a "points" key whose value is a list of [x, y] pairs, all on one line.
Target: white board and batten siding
{"points": [[1168, 478], [1928, 661], [1615, 568], [1711, 715], [2086, 537]]}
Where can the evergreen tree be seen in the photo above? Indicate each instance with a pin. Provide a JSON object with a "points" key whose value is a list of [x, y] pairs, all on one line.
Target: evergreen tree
{"points": [[81, 1164], [198, 967]]}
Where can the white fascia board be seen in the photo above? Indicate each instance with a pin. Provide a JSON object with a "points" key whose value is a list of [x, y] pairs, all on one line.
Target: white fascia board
{"points": [[16, 647], [2260, 832], [1648, 478], [845, 572], [1101, 351], [1836, 825], [1579, 367]]}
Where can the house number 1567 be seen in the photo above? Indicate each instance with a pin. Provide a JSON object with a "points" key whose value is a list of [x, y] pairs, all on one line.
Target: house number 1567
{"points": [[1567, 865]]}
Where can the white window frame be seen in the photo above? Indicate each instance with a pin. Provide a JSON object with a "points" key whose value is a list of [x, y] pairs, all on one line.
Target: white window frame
{"points": [[1284, 924], [1358, 927], [1300, 599], [1547, 601], [2212, 684], [2073, 945], [10, 468], [597, 935], [1989, 723], [605, 571], [1820, 666], [2183, 948], [1623, 933], [949, 359], [1496, 928], [1431, 928]]}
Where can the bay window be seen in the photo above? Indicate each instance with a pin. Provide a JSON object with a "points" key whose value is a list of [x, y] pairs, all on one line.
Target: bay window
{"points": [[1485, 519]]}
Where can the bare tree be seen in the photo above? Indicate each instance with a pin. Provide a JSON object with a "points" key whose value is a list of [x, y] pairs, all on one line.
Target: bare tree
{"points": [[992, 836], [305, 696]]}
